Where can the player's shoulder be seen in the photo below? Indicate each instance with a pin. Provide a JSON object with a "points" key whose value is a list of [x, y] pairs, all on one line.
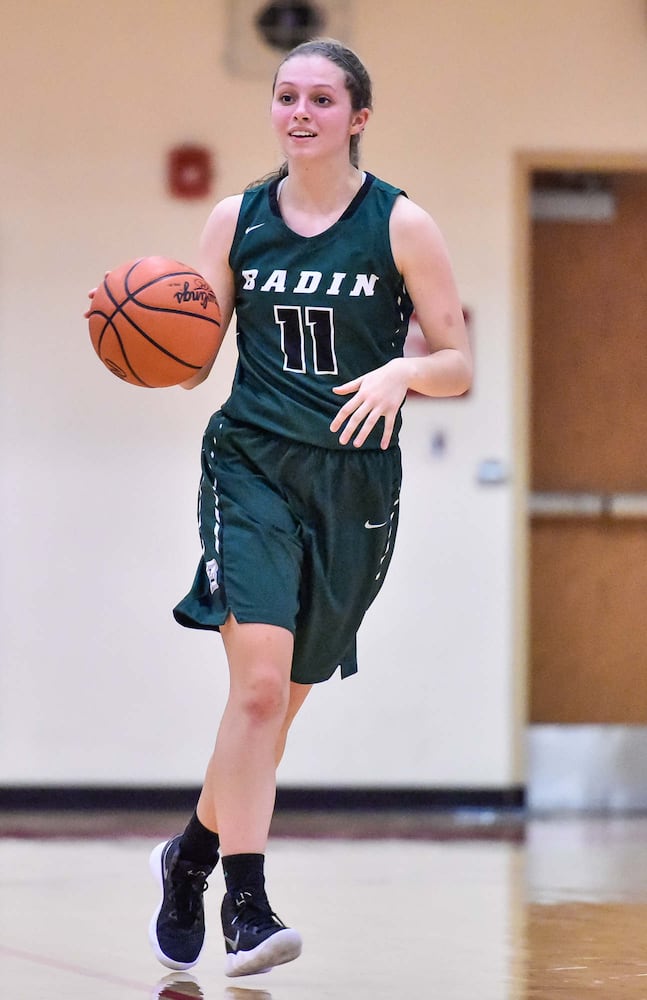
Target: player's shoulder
{"points": [[408, 213], [228, 209], [221, 225], [381, 185], [404, 212], [410, 220], [415, 235]]}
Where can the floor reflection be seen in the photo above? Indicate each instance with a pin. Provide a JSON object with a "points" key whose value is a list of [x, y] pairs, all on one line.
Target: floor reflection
{"points": [[246, 993], [178, 986], [578, 949]]}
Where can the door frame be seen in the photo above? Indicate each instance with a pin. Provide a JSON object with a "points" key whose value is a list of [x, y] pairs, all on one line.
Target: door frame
{"points": [[526, 162]]}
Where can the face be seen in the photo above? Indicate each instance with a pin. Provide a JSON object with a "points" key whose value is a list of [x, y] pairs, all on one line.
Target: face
{"points": [[311, 108]]}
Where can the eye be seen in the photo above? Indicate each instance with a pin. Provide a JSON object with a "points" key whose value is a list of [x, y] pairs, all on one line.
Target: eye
{"points": [[322, 99], [285, 98]]}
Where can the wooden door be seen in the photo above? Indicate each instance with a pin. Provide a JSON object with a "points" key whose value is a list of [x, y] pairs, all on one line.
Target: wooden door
{"points": [[588, 558]]}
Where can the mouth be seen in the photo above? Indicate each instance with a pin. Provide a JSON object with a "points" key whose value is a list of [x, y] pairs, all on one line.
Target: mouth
{"points": [[299, 133]]}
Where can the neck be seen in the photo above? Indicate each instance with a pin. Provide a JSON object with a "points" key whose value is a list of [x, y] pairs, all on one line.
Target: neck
{"points": [[311, 201], [314, 186]]}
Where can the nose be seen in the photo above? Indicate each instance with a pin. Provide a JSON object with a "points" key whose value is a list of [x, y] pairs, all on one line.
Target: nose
{"points": [[301, 109]]}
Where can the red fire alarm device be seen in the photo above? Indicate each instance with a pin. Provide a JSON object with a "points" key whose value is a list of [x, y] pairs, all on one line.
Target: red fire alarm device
{"points": [[190, 171]]}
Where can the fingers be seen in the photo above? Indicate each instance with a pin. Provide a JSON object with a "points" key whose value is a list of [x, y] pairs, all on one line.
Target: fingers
{"points": [[389, 424], [91, 294], [342, 416], [348, 387], [358, 417], [367, 426], [377, 395], [362, 416]]}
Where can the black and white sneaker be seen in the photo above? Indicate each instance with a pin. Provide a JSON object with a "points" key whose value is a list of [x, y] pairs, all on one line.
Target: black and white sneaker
{"points": [[176, 930], [255, 939]]}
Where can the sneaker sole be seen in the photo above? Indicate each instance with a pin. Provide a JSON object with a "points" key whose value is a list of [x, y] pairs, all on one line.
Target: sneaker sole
{"points": [[155, 864], [282, 947]]}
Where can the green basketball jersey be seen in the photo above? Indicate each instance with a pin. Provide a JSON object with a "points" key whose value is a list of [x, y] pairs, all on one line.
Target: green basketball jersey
{"points": [[313, 312]]}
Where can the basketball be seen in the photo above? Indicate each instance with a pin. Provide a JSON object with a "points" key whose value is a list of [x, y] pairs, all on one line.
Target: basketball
{"points": [[154, 322]]}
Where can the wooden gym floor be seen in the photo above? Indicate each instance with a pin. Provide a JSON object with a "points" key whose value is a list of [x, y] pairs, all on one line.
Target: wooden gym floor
{"points": [[453, 907]]}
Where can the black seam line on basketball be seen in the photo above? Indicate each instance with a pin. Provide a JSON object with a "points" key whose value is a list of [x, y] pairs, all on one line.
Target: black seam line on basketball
{"points": [[130, 295], [167, 311], [125, 356], [163, 350], [132, 371], [119, 309], [161, 277], [149, 284], [118, 336]]}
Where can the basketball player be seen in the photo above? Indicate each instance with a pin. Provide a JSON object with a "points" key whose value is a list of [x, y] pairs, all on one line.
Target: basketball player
{"points": [[298, 505]]}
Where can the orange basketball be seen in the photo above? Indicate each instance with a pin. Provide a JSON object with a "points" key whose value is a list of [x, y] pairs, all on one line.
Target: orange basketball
{"points": [[154, 322]]}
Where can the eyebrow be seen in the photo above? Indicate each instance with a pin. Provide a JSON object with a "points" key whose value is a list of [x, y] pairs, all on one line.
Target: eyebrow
{"points": [[313, 86]]}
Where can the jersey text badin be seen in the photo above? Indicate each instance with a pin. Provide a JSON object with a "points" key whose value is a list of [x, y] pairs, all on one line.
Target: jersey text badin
{"points": [[309, 281]]}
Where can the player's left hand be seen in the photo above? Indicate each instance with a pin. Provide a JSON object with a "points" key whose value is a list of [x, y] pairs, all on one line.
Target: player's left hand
{"points": [[379, 393]]}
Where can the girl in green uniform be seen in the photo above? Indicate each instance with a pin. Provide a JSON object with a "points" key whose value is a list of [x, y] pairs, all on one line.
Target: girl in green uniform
{"points": [[322, 265]]}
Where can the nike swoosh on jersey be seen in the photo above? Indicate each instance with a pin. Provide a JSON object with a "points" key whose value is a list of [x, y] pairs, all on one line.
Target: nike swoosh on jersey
{"points": [[367, 524], [250, 228]]}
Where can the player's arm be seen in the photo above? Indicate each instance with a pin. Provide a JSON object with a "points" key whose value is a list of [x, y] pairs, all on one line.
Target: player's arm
{"points": [[213, 265], [421, 256], [422, 259]]}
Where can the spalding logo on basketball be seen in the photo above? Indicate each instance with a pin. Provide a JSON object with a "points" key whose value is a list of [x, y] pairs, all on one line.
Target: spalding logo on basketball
{"points": [[154, 322]]}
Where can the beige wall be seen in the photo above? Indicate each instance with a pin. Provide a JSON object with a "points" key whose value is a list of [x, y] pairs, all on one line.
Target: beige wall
{"points": [[98, 479]]}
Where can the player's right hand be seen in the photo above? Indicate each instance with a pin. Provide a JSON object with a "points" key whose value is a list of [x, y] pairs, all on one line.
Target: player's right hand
{"points": [[91, 294]]}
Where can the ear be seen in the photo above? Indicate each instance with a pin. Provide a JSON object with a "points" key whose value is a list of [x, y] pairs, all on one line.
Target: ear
{"points": [[359, 120]]}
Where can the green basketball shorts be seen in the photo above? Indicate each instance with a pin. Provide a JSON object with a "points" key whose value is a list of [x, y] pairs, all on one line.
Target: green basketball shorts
{"points": [[292, 535]]}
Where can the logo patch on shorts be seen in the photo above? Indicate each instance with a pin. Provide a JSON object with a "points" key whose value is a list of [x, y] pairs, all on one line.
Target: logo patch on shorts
{"points": [[212, 574]]}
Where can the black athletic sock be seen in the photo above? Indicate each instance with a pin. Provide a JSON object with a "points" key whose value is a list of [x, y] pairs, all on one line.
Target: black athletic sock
{"points": [[199, 844], [244, 872]]}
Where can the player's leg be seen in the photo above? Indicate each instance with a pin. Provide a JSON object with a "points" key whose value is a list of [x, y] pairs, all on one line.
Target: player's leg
{"points": [[183, 864], [241, 781], [262, 701], [241, 777], [298, 694], [206, 809]]}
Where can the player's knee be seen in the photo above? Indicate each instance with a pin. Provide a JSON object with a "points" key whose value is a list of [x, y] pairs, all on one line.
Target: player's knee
{"points": [[264, 697]]}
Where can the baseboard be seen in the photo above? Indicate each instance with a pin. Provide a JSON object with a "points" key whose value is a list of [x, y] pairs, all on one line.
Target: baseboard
{"points": [[409, 799], [81, 797]]}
